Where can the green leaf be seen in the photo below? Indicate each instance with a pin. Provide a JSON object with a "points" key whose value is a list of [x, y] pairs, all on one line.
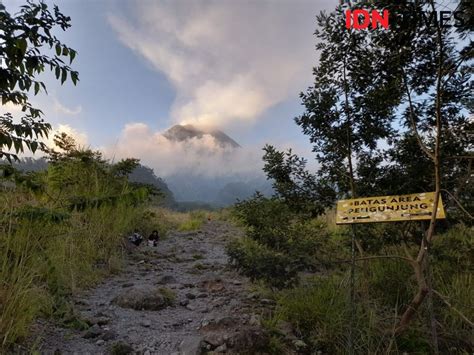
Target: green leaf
{"points": [[72, 55], [37, 88], [21, 45], [58, 72], [74, 77], [58, 49], [18, 145], [34, 146], [63, 76]]}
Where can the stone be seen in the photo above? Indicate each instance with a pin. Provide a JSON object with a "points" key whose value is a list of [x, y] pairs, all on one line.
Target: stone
{"points": [[92, 332], [191, 345], [299, 344], [100, 342], [221, 348], [254, 320], [184, 303], [142, 298], [167, 279], [191, 296], [266, 301], [215, 339], [120, 348], [249, 338], [146, 323], [109, 335], [127, 284]]}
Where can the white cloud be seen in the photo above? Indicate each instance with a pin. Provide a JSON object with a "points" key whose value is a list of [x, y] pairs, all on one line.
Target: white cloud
{"points": [[9, 107], [59, 108], [229, 61], [79, 136], [199, 156]]}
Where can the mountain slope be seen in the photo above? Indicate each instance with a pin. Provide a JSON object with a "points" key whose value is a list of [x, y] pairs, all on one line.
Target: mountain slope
{"points": [[181, 133]]}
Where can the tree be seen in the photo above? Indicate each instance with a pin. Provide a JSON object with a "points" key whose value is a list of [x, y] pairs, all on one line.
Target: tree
{"points": [[415, 78], [301, 190], [27, 49], [436, 77]]}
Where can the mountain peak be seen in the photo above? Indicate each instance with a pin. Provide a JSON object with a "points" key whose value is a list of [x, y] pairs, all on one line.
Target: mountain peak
{"points": [[181, 133]]}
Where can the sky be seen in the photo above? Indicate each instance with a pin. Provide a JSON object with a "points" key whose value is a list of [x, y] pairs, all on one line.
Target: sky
{"points": [[237, 65]]}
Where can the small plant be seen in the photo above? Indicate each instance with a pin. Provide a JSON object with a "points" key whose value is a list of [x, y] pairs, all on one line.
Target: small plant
{"points": [[190, 225], [168, 295]]}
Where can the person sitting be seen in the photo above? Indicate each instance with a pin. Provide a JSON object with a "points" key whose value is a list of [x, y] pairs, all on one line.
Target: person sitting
{"points": [[135, 239], [153, 238]]}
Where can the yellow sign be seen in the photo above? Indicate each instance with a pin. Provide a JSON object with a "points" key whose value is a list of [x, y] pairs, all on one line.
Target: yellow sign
{"points": [[412, 207]]}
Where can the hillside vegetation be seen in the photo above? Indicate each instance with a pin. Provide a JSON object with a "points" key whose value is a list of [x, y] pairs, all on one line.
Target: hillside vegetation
{"points": [[64, 228]]}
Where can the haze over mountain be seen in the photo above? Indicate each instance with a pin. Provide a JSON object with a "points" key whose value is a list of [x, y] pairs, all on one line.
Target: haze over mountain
{"points": [[181, 133], [216, 189]]}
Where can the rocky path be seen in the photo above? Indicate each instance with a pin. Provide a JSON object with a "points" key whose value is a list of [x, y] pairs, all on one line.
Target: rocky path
{"points": [[177, 298]]}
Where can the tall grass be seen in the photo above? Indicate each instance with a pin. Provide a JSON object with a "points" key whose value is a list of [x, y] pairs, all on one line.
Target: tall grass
{"points": [[43, 262]]}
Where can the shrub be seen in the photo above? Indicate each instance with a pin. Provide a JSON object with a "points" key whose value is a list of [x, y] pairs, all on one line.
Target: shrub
{"points": [[257, 261]]}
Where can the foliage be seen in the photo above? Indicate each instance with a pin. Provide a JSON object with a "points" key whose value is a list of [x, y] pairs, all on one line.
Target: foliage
{"points": [[61, 230], [279, 242], [26, 37], [301, 190]]}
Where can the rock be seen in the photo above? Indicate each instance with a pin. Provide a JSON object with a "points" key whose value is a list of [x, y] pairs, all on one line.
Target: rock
{"points": [[100, 342], [92, 332], [299, 344], [184, 303], [266, 301], [143, 298], [109, 335], [215, 339], [98, 320], [214, 285], [146, 323], [190, 307], [191, 296], [221, 349], [127, 284], [120, 348], [227, 321], [167, 279], [237, 282], [191, 345], [249, 338], [254, 320], [202, 295]]}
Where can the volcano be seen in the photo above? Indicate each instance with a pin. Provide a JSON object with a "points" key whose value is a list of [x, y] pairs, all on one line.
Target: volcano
{"points": [[182, 133]]}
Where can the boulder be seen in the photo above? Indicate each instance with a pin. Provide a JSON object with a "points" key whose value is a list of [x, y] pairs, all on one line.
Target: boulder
{"points": [[191, 345], [143, 298], [167, 279]]}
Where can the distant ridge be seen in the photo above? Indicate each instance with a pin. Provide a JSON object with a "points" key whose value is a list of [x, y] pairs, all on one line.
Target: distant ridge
{"points": [[181, 133]]}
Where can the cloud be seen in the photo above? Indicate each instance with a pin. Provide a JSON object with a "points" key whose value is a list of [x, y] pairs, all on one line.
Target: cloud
{"points": [[198, 156], [229, 61], [59, 108], [10, 107], [79, 136]]}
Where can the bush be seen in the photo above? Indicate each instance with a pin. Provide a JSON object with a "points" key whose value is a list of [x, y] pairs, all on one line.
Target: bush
{"points": [[259, 262], [60, 234], [279, 243]]}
